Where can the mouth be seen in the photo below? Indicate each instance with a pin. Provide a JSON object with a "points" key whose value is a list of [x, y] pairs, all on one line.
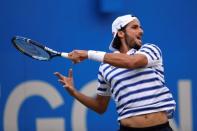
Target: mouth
{"points": [[139, 38]]}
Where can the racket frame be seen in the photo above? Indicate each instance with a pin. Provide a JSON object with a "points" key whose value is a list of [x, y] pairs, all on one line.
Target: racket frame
{"points": [[52, 53]]}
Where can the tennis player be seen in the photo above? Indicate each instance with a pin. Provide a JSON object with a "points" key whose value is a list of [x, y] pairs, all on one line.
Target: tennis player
{"points": [[133, 75]]}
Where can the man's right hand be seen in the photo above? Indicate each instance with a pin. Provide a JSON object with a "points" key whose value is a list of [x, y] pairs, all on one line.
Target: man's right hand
{"points": [[78, 55]]}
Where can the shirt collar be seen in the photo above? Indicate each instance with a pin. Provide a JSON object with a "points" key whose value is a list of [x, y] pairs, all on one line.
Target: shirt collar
{"points": [[131, 51]]}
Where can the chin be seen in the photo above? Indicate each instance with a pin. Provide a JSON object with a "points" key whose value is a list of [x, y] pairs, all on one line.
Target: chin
{"points": [[137, 46]]}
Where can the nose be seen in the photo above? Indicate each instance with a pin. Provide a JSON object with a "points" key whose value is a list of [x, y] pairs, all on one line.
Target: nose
{"points": [[141, 31]]}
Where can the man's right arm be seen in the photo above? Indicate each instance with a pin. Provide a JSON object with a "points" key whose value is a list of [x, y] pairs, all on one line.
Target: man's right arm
{"points": [[116, 59]]}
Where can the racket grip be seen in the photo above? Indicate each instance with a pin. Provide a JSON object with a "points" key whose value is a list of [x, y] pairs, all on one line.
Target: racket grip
{"points": [[65, 55]]}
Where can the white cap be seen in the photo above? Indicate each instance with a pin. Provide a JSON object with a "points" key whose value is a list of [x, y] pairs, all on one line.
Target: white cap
{"points": [[119, 23]]}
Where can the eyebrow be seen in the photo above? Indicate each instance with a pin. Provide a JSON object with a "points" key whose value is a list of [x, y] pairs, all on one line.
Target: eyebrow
{"points": [[133, 25]]}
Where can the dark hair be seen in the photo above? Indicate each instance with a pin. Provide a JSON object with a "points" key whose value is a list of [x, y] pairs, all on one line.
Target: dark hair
{"points": [[117, 43]]}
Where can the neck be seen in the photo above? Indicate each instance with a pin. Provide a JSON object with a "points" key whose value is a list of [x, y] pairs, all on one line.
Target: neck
{"points": [[124, 48]]}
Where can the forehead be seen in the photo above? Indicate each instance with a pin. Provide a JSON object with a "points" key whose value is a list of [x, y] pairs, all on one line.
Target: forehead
{"points": [[134, 22]]}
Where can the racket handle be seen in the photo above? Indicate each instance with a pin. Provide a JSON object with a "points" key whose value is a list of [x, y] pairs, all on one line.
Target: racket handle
{"points": [[65, 55]]}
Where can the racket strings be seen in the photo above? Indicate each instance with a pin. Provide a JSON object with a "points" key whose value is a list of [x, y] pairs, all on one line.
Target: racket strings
{"points": [[32, 50]]}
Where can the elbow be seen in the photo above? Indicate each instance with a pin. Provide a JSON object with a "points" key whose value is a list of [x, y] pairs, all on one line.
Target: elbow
{"points": [[135, 64], [130, 65], [101, 111]]}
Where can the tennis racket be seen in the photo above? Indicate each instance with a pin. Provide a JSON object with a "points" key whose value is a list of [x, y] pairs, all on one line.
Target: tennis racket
{"points": [[35, 49]]}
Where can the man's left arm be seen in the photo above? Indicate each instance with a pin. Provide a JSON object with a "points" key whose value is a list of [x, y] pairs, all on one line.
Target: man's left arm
{"points": [[116, 59], [126, 61]]}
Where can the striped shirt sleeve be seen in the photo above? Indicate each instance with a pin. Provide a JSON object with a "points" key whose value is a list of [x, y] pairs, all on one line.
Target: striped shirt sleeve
{"points": [[153, 54], [103, 87]]}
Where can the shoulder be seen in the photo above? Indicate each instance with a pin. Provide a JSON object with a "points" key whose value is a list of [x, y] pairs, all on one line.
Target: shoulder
{"points": [[151, 47]]}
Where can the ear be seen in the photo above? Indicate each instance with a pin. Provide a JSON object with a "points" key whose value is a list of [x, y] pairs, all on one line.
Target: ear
{"points": [[121, 34]]}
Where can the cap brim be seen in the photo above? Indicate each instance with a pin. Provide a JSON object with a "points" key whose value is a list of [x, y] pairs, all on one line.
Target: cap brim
{"points": [[111, 48]]}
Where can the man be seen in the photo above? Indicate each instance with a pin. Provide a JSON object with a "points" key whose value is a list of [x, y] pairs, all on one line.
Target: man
{"points": [[133, 75]]}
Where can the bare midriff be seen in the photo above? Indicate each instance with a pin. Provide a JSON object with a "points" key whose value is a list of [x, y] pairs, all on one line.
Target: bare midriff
{"points": [[147, 120]]}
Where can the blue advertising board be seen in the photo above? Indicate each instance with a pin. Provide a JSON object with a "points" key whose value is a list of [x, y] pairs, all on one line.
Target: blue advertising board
{"points": [[31, 97]]}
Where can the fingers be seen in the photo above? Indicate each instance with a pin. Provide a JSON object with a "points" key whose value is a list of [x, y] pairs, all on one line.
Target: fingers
{"points": [[62, 79], [70, 73], [67, 82], [78, 56], [62, 82], [59, 75]]}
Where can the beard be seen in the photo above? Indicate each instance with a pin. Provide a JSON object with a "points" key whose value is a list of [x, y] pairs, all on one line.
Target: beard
{"points": [[134, 44]]}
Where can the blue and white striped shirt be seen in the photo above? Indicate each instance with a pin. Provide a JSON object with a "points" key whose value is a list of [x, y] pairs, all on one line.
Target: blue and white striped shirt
{"points": [[137, 91]]}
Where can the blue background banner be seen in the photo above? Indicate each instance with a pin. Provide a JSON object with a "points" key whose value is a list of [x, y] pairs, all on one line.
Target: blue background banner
{"points": [[32, 99]]}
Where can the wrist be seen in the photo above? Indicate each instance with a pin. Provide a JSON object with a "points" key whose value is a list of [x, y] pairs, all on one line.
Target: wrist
{"points": [[96, 55], [73, 92]]}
